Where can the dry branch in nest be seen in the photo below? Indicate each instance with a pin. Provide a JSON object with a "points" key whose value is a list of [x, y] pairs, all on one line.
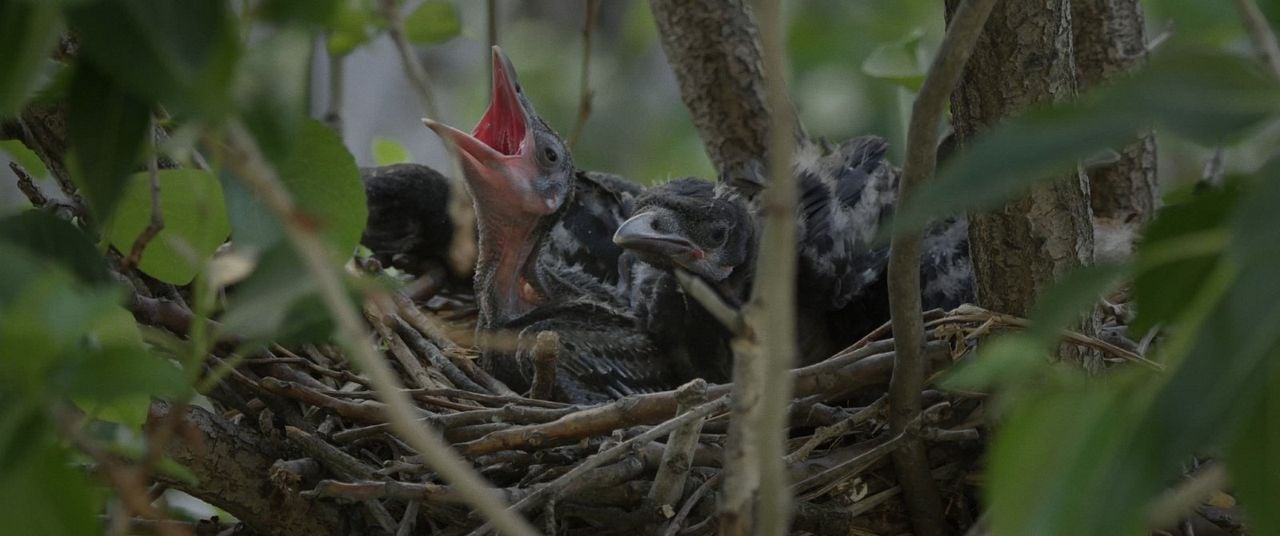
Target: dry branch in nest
{"points": [[310, 433]]}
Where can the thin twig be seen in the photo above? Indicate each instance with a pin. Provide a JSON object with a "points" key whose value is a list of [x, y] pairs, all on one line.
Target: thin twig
{"points": [[677, 522], [28, 186], [1180, 500], [677, 458], [1264, 40], [772, 306], [157, 217], [584, 88], [727, 315], [253, 169], [546, 353], [923, 500], [337, 85], [491, 35]]}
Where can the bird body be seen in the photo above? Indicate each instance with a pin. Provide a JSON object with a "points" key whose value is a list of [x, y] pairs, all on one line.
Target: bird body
{"points": [[546, 259], [846, 195]]}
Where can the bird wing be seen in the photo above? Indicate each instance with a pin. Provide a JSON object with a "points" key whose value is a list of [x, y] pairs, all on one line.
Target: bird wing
{"points": [[583, 236], [844, 199]]}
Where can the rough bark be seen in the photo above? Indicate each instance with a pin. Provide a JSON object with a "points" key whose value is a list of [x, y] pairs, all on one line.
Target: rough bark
{"points": [[1109, 41], [1023, 57], [232, 465], [714, 49]]}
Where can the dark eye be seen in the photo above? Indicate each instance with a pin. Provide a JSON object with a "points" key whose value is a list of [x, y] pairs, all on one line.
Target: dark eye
{"points": [[718, 235], [551, 154]]}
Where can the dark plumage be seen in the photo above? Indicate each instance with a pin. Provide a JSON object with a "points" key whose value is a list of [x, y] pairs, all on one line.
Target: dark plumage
{"points": [[408, 225], [546, 258], [845, 196]]}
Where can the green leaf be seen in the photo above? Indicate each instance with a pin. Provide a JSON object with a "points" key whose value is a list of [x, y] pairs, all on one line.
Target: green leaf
{"points": [[107, 127], [121, 373], [1004, 360], [320, 12], [45, 322], [52, 240], [387, 151], [352, 26], [1171, 257], [326, 187], [1063, 305], [271, 88], [1200, 95], [30, 30], [1255, 470], [898, 62], [180, 53], [24, 157], [195, 223], [276, 303], [44, 495], [434, 21]]}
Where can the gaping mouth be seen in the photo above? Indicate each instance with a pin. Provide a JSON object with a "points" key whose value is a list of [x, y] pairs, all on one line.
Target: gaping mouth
{"points": [[503, 126]]}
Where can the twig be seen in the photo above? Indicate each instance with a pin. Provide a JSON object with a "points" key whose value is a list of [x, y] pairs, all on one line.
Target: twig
{"points": [[1264, 40], [491, 35], [584, 89], [727, 315], [677, 522], [409, 519], [343, 464], [28, 186], [923, 500], [1177, 502], [252, 168], [822, 482], [157, 217], [772, 307], [613, 454], [412, 68], [836, 430], [546, 352], [677, 458], [337, 84]]}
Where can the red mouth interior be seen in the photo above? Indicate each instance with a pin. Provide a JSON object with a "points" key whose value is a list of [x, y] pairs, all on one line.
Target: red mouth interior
{"points": [[503, 125]]}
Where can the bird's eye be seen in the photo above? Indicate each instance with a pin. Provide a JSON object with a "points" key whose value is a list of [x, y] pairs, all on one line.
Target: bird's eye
{"points": [[550, 154], [718, 235]]}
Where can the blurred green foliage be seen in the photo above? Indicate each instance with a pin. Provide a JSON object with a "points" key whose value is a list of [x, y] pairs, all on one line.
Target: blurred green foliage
{"points": [[1073, 455]]}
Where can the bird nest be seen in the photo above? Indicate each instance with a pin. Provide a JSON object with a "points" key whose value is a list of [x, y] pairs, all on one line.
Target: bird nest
{"points": [[647, 463]]}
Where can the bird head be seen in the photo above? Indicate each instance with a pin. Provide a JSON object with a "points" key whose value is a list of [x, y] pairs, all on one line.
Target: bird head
{"points": [[686, 223], [519, 172], [513, 162]]}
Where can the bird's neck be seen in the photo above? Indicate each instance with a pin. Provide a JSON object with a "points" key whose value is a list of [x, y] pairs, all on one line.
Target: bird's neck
{"points": [[502, 284]]}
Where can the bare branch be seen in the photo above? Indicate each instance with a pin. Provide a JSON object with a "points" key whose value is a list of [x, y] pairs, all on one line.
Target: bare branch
{"points": [[914, 476], [706, 296], [1177, 502], [157, 217], [337, 84], [677, 458], [585, 94], [1264, 40], [28, 186]]}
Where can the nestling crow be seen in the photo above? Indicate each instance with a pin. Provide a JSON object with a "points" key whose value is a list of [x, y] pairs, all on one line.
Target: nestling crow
{"points": [[546, 259], [710, 230]]}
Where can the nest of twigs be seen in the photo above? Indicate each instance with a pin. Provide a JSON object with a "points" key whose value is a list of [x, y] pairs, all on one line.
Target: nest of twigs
{"points": [[648, 464]]}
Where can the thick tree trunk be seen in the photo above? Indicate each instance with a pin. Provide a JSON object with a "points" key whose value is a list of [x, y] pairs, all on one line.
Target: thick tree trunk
{"points": [[1024, 57], [714, 48], [1109, 41]]}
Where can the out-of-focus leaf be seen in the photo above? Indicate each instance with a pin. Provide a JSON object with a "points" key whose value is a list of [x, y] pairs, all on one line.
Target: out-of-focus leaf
{"points": [[24, 157], [179, 53], [23, 427], [52, 240], [1004, 360], [326, 187], [46, 320], [434, 21], [1196, 94], [310, 11], [262, 307], [107, 127], [195, 222], [271, 88], [127, 410], [898, 62], [30, 30], [387, 151], [1173, 232], [1255, 471], [352, 26], [45, 495], [1065, 302], [121, 372]]}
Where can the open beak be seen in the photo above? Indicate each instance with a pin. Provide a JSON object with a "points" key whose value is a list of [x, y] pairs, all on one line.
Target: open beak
{"points": [[497, 156], [641, 234]]}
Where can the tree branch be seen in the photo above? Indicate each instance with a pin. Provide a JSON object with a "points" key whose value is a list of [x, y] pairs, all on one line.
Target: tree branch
{"points": [[910, 365], [714, 51], [584, 88], [1264, 40]]}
